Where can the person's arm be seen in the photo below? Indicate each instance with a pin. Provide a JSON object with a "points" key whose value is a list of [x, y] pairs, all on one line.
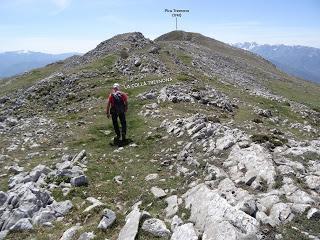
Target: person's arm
{"points": [[107, 110], [126, 103]]}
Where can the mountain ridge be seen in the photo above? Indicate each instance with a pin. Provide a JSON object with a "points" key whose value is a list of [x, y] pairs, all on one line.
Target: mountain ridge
{"points": [[229, 148], [300, 61], [17, 62]]}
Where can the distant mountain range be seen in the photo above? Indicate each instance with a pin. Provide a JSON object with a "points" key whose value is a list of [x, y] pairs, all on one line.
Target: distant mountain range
{"points": [[300, 61], [16, 62]]}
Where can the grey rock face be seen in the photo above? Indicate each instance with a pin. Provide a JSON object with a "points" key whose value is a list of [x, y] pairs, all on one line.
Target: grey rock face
{"points": [[107, 220], [184, 232], [214, 216], [313, 182], [172, 207], [255, 161], [130, 229], [281, 213], [22, 224], [3, 198], [43, 217], [156, 227]]}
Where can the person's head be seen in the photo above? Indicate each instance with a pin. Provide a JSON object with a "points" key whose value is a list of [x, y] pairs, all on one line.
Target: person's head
{"points": [[116, 87]]}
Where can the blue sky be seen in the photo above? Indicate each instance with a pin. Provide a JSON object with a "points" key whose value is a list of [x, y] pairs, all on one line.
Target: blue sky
{"points": [[79, 25]]}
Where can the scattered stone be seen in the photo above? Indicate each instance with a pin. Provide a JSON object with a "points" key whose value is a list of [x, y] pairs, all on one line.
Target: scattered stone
{"points": [[156, 227], [151, 176], [118, 179], [313, 214], [79, 181], [130, 229], [158, 192], [70, 232], [94, 203], [108, 218]]}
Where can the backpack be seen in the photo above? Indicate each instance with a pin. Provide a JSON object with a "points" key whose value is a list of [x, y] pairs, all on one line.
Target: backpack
{"points": [[119, 105]]}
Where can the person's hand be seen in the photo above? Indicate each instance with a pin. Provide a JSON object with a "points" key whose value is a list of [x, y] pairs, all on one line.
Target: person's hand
{"points": [[108, 115]]}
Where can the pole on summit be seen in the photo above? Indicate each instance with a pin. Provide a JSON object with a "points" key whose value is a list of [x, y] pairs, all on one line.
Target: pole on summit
{"points": [[176, 13]]}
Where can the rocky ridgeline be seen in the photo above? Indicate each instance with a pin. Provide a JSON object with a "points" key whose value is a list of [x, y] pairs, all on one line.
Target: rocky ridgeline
{"points": [[190, 93], [29, 201]]}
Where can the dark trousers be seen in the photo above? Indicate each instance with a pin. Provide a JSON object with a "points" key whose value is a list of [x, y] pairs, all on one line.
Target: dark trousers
{"points": [[123, 122]]}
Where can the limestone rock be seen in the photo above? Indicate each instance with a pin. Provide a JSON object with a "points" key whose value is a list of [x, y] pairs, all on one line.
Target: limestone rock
{"points": [[158, 192], [130, 229], [69, 233], [210, 212], [108, 218], [156, 227], [87, 236], [314, 214], [79, 181], [22, 224], [172, 207], [254, 160], [151, 176], [184, 232]]}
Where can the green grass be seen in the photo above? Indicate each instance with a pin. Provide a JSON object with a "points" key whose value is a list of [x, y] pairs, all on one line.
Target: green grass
{"points": [[302, 91], [186, 59]]}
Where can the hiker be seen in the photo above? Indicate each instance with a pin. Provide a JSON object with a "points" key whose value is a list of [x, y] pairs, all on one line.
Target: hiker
{"points": [[117, 106]]}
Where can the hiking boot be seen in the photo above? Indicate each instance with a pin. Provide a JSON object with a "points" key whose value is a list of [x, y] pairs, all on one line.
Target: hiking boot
{"points": [[116, 140], [123, 139]]}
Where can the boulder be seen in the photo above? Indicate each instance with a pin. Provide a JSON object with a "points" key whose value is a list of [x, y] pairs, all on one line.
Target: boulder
{"points": [[87, 236], [314, 214], [22, 224], [61, 208], [254, 161], [158, 192], [215, 217], [175, 222], [43, 217], [108, 218], [184, 232], [313, 182], [130, 229], [156, 227], [172, 207], [281, 213], [79, 181], [70, 232]]}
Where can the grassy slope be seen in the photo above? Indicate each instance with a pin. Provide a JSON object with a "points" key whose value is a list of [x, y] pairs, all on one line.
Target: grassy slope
{"points": [[23, 81]]}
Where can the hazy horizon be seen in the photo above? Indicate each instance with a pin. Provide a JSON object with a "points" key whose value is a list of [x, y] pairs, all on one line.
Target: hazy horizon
{"points": [[59, 26]]}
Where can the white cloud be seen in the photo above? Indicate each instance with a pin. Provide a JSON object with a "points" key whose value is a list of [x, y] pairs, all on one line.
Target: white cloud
{"points": [[61, 4]]}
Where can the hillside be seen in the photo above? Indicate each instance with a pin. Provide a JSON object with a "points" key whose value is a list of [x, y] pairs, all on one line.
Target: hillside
{"points": [[300, 61], [224, 146], [17, 62]]}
